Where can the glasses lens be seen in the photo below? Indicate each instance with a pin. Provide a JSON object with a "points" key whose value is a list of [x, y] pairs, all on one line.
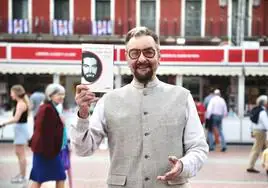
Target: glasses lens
{"points": [[134, 53], [149, 53]]}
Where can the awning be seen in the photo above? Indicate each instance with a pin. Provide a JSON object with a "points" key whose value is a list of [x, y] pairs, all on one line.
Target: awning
{"points": [[256, 71], [61, 69], [75, 69], [192, 70]]}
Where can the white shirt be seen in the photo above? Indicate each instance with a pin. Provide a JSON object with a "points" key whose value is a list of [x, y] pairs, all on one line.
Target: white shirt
{"points": [[216, 106], [262, 122], [192, 161]]}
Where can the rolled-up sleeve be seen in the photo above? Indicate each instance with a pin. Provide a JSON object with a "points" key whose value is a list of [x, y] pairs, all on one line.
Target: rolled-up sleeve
{"points": [[195, 145], [87, 134]]}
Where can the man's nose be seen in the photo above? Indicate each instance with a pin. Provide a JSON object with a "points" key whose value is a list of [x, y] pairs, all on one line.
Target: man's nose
{"points": [[142, 58]]}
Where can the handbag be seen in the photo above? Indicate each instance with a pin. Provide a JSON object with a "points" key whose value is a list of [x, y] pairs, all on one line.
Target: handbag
{"points": [[65, 157]]}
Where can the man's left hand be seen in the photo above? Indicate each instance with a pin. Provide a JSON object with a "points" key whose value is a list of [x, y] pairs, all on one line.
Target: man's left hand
{"points": [[175, 170]]}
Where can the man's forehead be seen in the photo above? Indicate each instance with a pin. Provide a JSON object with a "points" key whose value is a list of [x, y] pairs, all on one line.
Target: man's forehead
{"points": [[141, 42], [90, 60]]}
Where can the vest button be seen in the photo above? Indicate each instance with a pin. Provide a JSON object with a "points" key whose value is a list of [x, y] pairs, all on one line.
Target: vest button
{"points": [[146, 134], [145, 93], [146, 156], [146, 178], [145, 113]]}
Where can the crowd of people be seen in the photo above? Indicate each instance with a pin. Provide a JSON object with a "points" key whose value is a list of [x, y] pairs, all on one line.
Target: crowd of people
{"points": [[154, 130]]}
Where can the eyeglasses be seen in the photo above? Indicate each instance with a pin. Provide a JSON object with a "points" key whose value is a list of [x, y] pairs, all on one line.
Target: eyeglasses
{"points": [[135, 53]]}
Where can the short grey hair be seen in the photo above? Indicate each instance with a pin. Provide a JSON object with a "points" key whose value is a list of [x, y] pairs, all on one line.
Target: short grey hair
{"points": [[53, 89], [262, 100], [141, 31]]}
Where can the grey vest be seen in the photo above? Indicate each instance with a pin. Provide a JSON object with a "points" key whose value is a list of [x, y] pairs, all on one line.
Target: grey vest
{"points": [[144, 127]]}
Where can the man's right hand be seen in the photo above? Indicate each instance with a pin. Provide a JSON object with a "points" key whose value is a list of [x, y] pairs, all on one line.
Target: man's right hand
{"points": [[83, 98]]}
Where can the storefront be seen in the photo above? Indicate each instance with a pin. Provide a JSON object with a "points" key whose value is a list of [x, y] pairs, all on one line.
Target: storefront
{"points": [[241, 74]]}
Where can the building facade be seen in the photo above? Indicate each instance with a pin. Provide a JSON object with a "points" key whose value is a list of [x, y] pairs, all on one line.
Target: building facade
{"points": [[40, 44]]}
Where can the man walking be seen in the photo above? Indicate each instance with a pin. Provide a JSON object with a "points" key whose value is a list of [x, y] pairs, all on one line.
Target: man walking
{"points": [[216, 110]]}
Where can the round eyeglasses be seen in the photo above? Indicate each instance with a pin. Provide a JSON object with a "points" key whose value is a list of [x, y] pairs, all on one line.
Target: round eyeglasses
{"points": [[135, 53]]}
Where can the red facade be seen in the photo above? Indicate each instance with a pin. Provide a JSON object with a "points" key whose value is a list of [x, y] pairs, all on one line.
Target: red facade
{"points": [[170, 17], [3, 15], [216, 23], [216, 19], [260, 19], [125, 15], [82, 16], [40, 16]]}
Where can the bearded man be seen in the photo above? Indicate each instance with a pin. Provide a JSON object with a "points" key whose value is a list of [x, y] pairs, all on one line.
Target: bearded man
{"points": [[154, 133]]}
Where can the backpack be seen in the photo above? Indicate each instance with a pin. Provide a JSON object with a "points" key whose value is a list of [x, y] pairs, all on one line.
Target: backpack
{"points": [[254, 114]]}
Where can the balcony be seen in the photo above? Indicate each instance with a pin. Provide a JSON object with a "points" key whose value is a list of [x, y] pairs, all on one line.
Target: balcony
{"points": [[106, 31]]}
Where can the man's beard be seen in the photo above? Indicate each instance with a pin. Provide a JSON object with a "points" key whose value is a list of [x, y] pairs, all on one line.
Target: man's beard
{"points": [[144, 78], [90, 75]]}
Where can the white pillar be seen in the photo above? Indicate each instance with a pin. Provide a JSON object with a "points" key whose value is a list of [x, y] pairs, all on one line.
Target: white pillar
{"points": [[179, 80], [241, 96], [201, 88], [241, 102], [56, 78]]}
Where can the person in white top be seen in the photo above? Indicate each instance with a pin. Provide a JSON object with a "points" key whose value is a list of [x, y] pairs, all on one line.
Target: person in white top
{"points": [[216, 110], [258, 131], [154, 133]]}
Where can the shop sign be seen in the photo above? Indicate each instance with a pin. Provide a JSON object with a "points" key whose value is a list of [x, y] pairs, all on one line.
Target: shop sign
{"points": [[235, 56], [252, 56], [265, 56], [45, 53], [3, 53]]}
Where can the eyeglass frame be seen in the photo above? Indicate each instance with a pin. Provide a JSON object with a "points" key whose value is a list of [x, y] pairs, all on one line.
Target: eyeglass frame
{"points": [[141, 51]]}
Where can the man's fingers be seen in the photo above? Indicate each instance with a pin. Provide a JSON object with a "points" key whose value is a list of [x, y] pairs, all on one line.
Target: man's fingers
{"points": [[175, 170], [173, 159], [81, 87]]}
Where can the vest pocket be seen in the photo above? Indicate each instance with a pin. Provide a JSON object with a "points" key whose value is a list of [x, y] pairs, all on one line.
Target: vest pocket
{"points": [[117, 180]]}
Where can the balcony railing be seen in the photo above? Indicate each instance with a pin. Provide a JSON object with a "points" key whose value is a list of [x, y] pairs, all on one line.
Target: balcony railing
{"points": [[85, 26]]}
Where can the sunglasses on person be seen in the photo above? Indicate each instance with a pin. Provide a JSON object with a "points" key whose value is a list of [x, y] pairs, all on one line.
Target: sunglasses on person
{"points": [[136, 53]]}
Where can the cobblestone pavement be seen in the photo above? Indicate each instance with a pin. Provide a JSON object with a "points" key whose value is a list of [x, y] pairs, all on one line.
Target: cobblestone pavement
{"points": [[222, 170]]}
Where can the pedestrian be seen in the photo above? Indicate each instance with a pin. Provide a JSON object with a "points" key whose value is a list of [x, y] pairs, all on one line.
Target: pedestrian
{"points": [[21, 134], [65, 152], [258, 132], [208, 122], [37, 98], [201, 110], [216, 111], [265, 160], [154, 133], [46, 142]]}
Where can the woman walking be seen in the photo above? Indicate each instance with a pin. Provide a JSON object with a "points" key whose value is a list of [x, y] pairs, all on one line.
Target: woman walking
{"points": [[47, 139]]}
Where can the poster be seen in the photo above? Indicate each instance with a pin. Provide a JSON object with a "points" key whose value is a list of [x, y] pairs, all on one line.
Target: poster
{"points": [[97, 67]]}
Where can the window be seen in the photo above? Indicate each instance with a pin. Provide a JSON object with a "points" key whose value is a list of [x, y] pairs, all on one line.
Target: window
{"points": [[148, 14], [61, 9], [193, 18], [235, 13], [19, 23], [103, 9], [20, 9]]}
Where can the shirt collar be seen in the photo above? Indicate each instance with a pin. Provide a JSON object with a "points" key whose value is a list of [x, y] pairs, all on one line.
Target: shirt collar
{"points": [[150, 84]]}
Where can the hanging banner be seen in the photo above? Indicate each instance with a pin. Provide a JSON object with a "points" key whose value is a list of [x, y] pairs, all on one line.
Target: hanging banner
{"points": [[97, 67]]}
